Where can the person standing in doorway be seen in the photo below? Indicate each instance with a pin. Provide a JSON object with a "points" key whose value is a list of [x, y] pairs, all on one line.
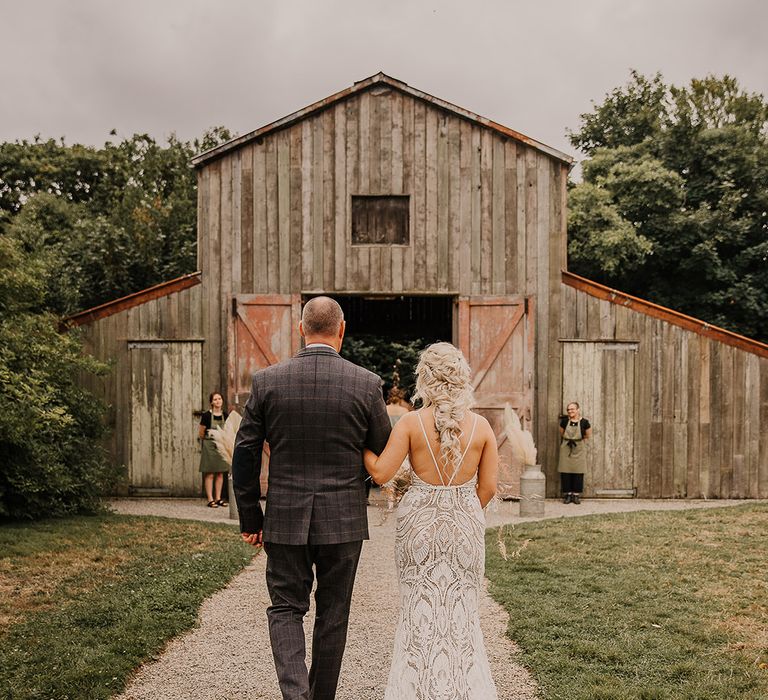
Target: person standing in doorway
{"points": [[212, 464], [574, 432], [397, 405], [318, 411]]}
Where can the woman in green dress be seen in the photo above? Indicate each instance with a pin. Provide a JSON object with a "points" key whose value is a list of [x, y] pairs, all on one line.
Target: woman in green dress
{"points": [[574, 432], [212, 464]]}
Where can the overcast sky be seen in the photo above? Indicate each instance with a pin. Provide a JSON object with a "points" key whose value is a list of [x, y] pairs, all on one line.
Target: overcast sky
{"points": [[78, 68]]}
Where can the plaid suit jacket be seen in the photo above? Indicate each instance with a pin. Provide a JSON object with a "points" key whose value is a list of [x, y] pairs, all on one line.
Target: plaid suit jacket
{"points": [[317, 411]]}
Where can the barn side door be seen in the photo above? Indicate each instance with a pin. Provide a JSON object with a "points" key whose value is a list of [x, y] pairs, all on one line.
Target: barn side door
{"points": [[601, 377], [496, 335], [263, 332], [166, 380]]}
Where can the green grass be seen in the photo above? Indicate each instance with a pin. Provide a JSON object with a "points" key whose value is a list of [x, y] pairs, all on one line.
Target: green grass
{"points": [[84, 601], [641, 606]]}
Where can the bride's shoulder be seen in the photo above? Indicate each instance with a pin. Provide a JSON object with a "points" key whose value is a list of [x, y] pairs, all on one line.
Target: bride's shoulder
{"points": [[483, 426], [408, 418], [481, 419], [405, 421]]}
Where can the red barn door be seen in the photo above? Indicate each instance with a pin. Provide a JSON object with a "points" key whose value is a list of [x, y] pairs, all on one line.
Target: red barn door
{"points": [[263, 332], [496, 335]]}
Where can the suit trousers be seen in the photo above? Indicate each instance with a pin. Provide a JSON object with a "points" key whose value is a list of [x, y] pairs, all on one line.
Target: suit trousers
{"points": [[289, 582]]}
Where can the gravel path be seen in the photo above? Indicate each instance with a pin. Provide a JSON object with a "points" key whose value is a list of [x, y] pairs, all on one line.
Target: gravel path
{"points": [[228, 655]]}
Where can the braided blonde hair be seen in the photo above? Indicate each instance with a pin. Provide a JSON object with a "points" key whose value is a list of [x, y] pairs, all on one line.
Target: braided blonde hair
{"points": [[444, 381]]}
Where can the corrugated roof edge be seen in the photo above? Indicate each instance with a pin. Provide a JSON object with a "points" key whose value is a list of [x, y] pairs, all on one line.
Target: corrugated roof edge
{"points": [[360, 86], [663, 313]]}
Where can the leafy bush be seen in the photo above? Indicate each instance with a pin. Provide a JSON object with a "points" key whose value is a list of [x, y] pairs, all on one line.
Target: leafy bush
{"points": [[78, 226], [50, 462], [386, 357]]}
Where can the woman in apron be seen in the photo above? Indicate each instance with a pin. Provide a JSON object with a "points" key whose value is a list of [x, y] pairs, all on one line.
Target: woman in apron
{"points": [[574, 431], [212, 464]]}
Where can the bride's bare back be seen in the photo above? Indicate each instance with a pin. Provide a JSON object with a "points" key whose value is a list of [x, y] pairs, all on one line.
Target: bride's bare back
{"points": [[408, 439]]}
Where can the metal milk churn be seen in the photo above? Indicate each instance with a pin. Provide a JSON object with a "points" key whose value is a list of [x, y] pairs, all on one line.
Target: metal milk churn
{"points": [[532, 491]]}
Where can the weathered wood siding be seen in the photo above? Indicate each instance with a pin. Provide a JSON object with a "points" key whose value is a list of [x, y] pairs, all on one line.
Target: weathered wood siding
{"points": [[601, 377], [175, 317], [487, 217], [699, 408], [165, 389]]}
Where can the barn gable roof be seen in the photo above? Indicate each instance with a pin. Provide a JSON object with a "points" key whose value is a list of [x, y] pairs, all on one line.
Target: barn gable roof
{"points": [[369, 83], [663, 313]]}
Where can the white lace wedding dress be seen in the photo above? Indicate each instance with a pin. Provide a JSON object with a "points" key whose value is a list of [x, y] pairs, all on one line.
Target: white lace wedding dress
{"points": [[440, 553]]}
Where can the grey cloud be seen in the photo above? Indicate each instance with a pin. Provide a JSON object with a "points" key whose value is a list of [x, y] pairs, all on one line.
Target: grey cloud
{"points": [[83, 67]]}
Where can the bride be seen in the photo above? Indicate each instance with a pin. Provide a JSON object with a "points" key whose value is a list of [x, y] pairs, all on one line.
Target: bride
{"points": [[440, 545]]}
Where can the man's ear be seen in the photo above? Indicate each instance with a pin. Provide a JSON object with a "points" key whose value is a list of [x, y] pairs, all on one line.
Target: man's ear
{"points": [[342, 329], [301, 329]]}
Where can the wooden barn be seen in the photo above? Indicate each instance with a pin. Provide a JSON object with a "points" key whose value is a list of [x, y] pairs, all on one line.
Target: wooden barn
{"points": [[418, 215]]}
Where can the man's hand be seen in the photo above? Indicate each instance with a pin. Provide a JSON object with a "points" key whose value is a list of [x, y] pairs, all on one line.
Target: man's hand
{"points": [[252, 538]]}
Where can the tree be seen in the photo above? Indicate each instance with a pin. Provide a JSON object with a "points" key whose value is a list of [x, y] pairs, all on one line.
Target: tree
{"points": [[29, 167], [78, 226], [603, 244], [118, 219], [673, 205], [50, 460], [628, 116]]}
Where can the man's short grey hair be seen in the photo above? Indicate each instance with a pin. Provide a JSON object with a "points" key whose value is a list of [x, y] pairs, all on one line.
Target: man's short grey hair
{"points": [[321, 316]]}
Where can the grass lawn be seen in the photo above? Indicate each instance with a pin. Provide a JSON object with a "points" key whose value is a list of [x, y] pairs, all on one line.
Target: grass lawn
{"points": [[648, 605], [84, 601]]}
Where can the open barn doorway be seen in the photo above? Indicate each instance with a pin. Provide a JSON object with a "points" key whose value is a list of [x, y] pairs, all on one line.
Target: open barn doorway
{"points": [[385, 334], [496, 334]]}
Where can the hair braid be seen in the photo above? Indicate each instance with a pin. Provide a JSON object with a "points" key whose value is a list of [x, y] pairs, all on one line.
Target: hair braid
{"points": [[443, 381]]}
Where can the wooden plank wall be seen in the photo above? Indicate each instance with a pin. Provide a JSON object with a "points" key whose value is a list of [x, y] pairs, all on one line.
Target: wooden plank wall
{"points": [[487, 217], [601, 377], [698, 409], [274, 215], [165, 389], [177, 316]]}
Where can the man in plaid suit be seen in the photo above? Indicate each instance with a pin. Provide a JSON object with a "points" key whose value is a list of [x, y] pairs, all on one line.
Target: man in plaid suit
{"points": [[317, 411]]}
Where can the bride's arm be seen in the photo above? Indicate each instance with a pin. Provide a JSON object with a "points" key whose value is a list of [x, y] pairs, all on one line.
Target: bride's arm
{"points": [[385, 466], [488, 469]]}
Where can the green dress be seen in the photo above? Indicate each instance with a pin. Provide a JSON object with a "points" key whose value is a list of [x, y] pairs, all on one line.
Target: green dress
{"points": [[210, 459]]}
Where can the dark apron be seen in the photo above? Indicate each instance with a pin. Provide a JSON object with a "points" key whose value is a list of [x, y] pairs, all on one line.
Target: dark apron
{"points": [[573, 451]]}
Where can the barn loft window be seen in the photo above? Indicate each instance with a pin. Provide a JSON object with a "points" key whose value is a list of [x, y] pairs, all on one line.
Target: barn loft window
{"points": [[380, 220]]}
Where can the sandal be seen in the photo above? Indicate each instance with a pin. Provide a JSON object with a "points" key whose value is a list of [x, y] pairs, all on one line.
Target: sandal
{"points": [[221, 503], [213, 504]]}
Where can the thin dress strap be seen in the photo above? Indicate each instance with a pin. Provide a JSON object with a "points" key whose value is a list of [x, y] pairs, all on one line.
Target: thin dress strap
{"points": [[432, 454], [466, 449], [429, 447]]}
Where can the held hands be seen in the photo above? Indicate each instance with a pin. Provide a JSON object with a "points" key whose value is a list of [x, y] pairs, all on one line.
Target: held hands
{"points": [[252, 538]]}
